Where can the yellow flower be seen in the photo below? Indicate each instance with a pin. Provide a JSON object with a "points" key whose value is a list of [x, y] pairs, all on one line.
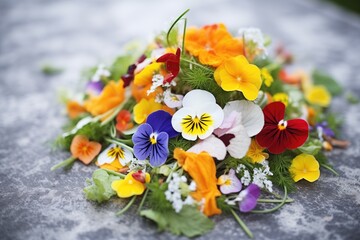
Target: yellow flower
{"points": [[130, 186], [266, 76], [237, 74], [256, 153], [281, 97], [305, 166], [143, 109], [318, 95], [145, 76]]}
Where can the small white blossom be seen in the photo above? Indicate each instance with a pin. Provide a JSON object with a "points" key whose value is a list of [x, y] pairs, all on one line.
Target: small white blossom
{"points": [[157, 81], [192, 186], [240, 167], [101, 71], [246, 178], [254, 40]]}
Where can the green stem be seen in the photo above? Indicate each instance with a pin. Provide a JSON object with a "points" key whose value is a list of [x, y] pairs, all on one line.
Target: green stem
{"points": [[64, 163], [329, 168], [242, 224], [288, 200], [183, 41], [173, 25], [196, 64], [171, 172], [122, 211], [275, 208], [143, 200], [220, 165], [115, 173], [122, 142]]}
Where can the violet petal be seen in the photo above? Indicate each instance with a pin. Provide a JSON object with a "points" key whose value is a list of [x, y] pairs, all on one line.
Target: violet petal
{"points": [[160, 121], [159, 150]]}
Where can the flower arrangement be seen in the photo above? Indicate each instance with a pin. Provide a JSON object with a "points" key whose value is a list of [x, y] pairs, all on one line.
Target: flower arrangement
{"points": [[202, 122]]}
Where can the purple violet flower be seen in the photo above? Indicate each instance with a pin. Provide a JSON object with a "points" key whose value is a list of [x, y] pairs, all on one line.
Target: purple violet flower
{"points": [[323, 127], [151, 138], [94, 88], [248, 198]]}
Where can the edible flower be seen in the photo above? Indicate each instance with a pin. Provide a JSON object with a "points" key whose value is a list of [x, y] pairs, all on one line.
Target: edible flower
{"points": [[255, 152], [115, 153], [74, 109], [201, 167], [281, 97], [111, 96], [123, 120], [266, 77], [254, 42], [133, 184], [318, 95], [279, 134], [305, 166], [172, 63], [229, 183], [144, 108], [172, 100], [83, 149], [94, 88], [248, 197], [212, 44], [243, 119], [151, 138], [237, 74], [199, 116]]}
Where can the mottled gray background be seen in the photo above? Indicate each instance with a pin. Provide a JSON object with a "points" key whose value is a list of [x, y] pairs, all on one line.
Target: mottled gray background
{"points": [[38, 204]]}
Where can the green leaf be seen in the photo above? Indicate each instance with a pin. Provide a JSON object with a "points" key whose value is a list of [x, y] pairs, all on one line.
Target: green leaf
{"points": [[101, 189], [120, 66], [330, 83], [311, 146], [189, 221]]}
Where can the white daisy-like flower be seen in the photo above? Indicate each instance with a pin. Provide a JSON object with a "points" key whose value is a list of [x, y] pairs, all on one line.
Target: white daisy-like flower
{"points": [[115, 152], [199, 116]]}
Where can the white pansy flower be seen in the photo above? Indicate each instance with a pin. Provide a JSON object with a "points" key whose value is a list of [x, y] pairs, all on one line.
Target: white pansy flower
{"points": [[115, 152]]}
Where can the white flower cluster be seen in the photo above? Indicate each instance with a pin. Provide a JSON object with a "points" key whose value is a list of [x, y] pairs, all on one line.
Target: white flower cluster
{"points": [[157, 81], [259, 176], [101, 71], [136, 165], [173, 193]]}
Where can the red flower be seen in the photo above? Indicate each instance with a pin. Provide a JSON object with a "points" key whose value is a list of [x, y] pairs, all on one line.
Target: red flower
{"points": [[123, 120], [172, 63], [278, 134]]}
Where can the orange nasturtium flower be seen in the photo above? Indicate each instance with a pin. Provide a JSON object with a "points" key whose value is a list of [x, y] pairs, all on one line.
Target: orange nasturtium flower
{"points": [[202, 169], [238, 74], [111, 96], [74, 109], [212, 44], [123, 120], [133, 184], [83, 149]]}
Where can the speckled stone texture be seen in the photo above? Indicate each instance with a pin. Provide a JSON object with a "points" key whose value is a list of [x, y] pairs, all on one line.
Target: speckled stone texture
{"points": [[38, 204]]}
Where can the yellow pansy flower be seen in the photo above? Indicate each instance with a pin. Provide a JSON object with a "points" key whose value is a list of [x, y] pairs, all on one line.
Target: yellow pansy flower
{"points": [[318, 95], [133, 184], [305, 166], [266, 76], [256, 153], [281, 97], [237, 74], [143, 109], [145, 76]]}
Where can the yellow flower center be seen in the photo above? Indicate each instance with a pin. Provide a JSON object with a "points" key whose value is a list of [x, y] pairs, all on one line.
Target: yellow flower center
{"points": [[227, 182], [197, 125], [152, 139], [282, 125], [116, 153]]}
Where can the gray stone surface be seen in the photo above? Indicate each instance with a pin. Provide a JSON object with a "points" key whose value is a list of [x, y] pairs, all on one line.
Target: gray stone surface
{"points": [[38, 204]]}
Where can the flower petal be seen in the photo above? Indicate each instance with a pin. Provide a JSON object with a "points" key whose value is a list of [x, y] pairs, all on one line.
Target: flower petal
{"points": [[239, 145], [250, 200], [141, 140], [212, 145], [160, 121], [252, 115], [159, 150], [104, 157], [274, 112], [198, 97]]}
